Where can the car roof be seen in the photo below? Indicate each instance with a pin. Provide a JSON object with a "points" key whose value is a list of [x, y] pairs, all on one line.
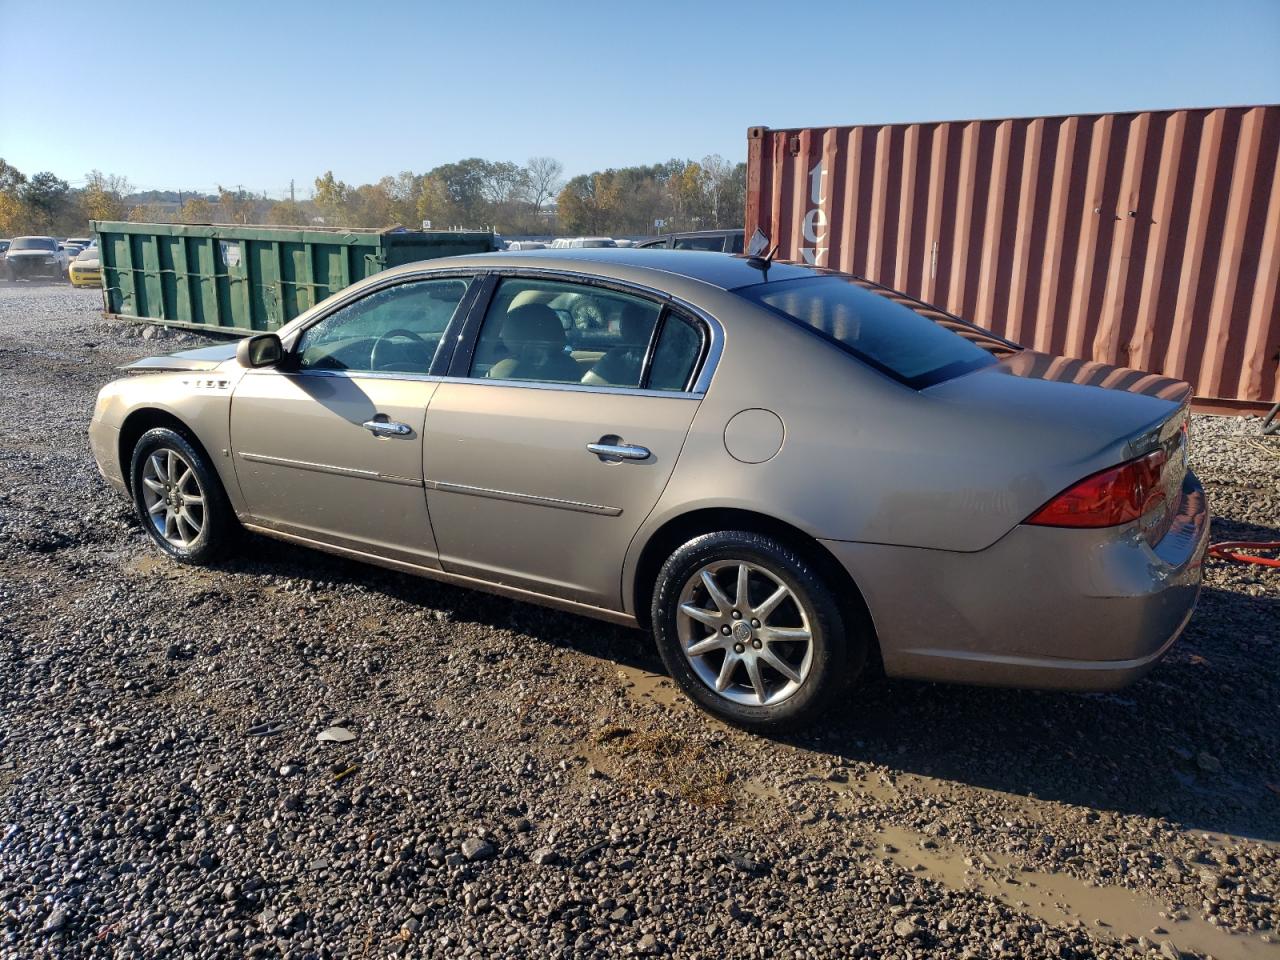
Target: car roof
{"points": [[726, 271]]}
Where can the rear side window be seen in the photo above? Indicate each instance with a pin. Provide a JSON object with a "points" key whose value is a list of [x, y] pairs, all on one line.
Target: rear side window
{"points": [[887, 335], [676, 355]]}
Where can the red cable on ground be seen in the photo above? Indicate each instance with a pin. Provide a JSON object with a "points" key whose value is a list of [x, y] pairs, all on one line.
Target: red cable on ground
{"points": [[1227, 551]]}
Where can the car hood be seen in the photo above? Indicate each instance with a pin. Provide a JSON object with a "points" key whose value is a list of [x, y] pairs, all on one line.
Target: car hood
{"points": [[23, 254], [205, 358], [89, 263]]}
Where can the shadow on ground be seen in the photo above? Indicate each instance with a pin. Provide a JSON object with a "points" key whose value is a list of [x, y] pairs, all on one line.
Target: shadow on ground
{"points": [[1196, 741]]}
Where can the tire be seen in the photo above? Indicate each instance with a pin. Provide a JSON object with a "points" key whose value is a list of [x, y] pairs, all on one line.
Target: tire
{"points": [[749, 690], [170, 477]]}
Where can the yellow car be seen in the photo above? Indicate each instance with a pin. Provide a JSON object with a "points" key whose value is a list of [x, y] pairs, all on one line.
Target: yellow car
{"points": [[85, 270]]}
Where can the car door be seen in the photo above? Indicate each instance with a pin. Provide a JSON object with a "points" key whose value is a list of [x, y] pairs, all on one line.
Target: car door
{"points": [[537, 480], [328, 445]]}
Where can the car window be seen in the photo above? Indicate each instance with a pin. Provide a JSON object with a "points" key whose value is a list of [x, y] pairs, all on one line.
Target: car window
{"points": [[735, 245], [700, 243], [676, 356], [34, 243], [885, 333], [394, 330], [554, 332]]}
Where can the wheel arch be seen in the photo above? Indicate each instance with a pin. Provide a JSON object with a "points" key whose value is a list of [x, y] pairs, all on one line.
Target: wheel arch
{"points": [[141, 420], [683, 528]]}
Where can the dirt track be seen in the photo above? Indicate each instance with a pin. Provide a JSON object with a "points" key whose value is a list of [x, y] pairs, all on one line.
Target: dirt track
{"points": [[524, 782]]}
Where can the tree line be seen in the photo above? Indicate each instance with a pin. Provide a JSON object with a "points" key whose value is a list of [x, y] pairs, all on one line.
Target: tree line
{"points": [[515, 199]]}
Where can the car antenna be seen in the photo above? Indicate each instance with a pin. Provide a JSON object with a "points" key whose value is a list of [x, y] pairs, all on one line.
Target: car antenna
{"points": [[759, 244]]}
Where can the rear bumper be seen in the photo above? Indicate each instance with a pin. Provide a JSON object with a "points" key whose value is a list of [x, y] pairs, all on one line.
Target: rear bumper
{"points": [[1043, 608]]}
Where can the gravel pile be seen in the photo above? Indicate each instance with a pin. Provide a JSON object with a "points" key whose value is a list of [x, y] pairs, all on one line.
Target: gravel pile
{"points": [[507, 781]]}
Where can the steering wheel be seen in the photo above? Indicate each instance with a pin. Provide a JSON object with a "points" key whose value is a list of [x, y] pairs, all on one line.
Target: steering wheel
{"points": [[398, 332]]}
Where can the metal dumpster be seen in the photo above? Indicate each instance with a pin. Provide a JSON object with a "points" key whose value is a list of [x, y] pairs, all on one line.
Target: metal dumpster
{"points": [[240, 279]]}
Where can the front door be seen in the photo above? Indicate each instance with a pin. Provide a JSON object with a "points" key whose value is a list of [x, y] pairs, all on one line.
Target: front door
{"points": [[329, 445], [542, 461]]}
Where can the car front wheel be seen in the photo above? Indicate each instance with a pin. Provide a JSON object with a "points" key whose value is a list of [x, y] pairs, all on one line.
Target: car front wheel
{"points": [[179, 498], [751, 631]]}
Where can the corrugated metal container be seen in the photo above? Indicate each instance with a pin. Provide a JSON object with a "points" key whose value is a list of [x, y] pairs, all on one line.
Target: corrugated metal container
{"points": [[1151, 240], [238, 279]]}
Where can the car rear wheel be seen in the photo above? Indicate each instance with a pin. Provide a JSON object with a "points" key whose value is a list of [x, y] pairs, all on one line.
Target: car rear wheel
{"points": [[179, 498], [751, 631]]}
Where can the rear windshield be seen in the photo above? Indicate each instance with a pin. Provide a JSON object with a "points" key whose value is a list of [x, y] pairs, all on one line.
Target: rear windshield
{"points": [[888, 335], [34, 243]]}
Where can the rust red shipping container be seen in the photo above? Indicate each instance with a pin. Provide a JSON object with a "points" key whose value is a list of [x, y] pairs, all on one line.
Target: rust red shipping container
{"points": [[1150, 240]]}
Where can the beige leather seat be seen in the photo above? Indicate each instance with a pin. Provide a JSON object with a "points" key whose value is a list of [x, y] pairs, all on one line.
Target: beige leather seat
{"points": [[535, 339]]}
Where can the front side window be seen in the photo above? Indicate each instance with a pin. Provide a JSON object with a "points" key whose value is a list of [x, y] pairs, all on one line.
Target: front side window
{"points": [[394, 330], [886, 334]]}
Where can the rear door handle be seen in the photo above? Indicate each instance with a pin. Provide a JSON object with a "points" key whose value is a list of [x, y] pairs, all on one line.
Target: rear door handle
{"points": [[387, 428], [612, 448]]}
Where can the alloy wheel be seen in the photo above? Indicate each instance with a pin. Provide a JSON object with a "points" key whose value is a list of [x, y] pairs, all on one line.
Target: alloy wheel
{"points": [[173, 497], [745, 633]]}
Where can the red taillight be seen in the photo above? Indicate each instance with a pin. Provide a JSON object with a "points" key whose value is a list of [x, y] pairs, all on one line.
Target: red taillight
{"points": [[1107, 498]]}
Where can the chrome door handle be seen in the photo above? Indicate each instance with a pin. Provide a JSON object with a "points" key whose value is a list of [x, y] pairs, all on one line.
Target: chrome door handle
{"points": [[387, 428], [619, 451]]}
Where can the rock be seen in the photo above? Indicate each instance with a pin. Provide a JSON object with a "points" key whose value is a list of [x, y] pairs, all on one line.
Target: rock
{"points": [[335, 735], [473, 848], [906, 928], [1169, 951], [57, 919], [1208, 762], [410, 927], [648, 945], [545, 856], [620, 915]]}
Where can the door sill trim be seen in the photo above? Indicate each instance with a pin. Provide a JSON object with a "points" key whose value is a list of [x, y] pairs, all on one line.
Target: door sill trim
{"points": [[454, 579]]}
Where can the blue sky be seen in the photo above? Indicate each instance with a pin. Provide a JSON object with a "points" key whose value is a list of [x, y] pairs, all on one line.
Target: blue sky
{"points": [[253, 94]]}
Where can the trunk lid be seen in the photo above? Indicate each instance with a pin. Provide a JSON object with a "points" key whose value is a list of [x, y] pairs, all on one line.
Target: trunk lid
{"points": [[1049, 422]]}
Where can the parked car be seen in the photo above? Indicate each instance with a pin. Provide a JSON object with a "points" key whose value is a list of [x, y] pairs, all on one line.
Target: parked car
{"points": [[85, 269], [783, 472], [583, 243], [526, 245], [725, 241], [82, 242], [30, 257]]}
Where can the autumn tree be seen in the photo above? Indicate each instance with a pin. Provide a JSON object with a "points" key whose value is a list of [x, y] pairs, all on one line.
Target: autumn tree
{"points": [[103, 196], [196, 210], [331, 198]]}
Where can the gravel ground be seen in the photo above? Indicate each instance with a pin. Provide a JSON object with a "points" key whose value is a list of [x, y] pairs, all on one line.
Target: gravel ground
{"points": [[524, 782]]}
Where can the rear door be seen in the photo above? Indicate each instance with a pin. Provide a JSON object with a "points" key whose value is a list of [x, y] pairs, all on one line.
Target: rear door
{"points": [[536, 479], [329, 445]]}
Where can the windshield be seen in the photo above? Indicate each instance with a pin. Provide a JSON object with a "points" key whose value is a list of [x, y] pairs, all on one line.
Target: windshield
{"points": [[34, 243], [897, 339]]}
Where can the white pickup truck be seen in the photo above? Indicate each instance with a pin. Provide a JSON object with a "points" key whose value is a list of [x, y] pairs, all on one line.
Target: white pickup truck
{"points": [[31, 257]]}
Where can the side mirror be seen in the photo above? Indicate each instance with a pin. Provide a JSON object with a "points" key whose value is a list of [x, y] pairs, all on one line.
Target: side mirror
{"points": [[262, 350]]}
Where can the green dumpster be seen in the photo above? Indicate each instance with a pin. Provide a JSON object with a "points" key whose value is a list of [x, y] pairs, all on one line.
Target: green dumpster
{"points": [[240, 279]]}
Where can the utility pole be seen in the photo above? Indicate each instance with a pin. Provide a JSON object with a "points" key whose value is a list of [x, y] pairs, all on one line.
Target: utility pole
{"points": [[291, 197]]}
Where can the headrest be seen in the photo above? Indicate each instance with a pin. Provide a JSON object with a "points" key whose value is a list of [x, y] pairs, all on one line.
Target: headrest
{"points": [[532, 322]]}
